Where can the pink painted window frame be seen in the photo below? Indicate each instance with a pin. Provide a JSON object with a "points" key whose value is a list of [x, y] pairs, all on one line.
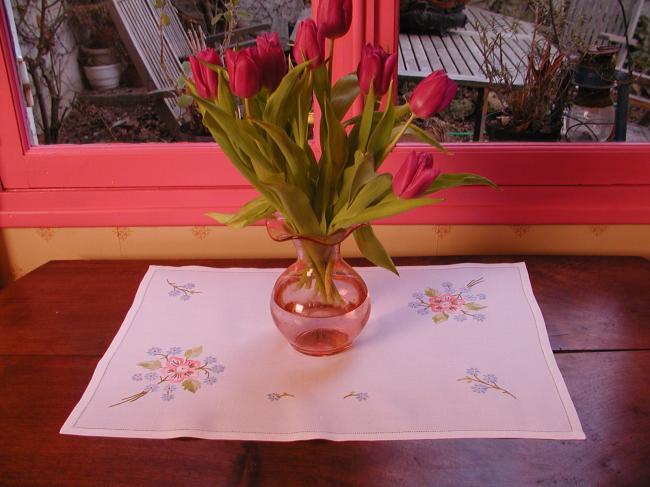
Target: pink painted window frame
{"points": [[175, 184]]}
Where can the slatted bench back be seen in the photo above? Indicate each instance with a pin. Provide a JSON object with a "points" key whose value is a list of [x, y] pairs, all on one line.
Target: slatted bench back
{"points": [[157, 58]]}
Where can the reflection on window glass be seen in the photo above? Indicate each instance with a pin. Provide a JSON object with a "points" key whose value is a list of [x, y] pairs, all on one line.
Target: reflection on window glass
{"points": [[111, 70], [532, 70]]}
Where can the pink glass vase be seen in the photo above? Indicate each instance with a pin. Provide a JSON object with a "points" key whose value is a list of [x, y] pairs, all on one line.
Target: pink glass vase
{"points": [[319, 303]]}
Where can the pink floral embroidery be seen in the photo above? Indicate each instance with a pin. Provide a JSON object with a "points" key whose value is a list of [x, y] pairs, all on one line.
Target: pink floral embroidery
{"points": [[449, 303], [173, 370], [462, 304], [177, 369]]}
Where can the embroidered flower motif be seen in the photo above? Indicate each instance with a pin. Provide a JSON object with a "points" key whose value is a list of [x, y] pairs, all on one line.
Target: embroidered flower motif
{"points": [[448, 303], [481, 385], [185, 291], [459, 304], [359, 396], [276, 396], [173, 369], [177, 369]]}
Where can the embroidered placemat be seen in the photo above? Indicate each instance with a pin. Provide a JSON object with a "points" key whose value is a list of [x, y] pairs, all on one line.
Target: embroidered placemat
{"points": [[457, 351]]}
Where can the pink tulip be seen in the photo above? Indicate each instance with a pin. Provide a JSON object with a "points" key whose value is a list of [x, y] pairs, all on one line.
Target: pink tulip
{"points": [[271, 60], [310, 44], [245, 75], [415, 175], [205, 79], [432, 95], [334, 17], [376, 68]]}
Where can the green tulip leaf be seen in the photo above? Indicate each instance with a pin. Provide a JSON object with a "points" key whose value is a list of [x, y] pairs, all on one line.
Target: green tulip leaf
{"points": [[344, 92], [371, 192], [390, 205], [366, 121], [372, 249], [253, 211], [449, 180], [296, 207], [296, 158], [425, 137], [381, 134], [281, 104]]}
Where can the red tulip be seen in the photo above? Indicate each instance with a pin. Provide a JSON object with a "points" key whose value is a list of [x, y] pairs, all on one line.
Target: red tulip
{"points": [[205, 79], [335, 17], [245, 75], [310, 44], [271, 60], [432, 95], [376, 68], [415, 175]]}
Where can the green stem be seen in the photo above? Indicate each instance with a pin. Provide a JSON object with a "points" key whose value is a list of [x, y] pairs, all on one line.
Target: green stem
{"points": [[330, 66], [247, 108]]}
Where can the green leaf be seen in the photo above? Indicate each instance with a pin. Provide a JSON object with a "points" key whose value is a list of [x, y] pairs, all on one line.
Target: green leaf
{"points": [[253, 211], [449, 180], [193, 352], [371, 192], [372, 249], [185, 101], [440, 317], [354, 176], [298, 163], [164, 20], [225, 98], [344, 92], [296, 207], [431, 292], [151, 364], [282, 103], [380, 137], [191, 385], [474, 306], [425, 137], [159, 3], [389, 206], [365, 124]]}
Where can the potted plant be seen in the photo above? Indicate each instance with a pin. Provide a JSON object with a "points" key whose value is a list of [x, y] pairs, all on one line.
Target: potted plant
{"points": [[531, 98], [99, 57]]}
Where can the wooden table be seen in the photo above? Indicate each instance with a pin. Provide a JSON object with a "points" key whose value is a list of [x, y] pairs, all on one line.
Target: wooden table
{"points": [[56, 322]]}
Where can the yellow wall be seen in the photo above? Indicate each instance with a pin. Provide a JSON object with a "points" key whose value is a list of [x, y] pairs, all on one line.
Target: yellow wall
{"points": [[24, 249]]}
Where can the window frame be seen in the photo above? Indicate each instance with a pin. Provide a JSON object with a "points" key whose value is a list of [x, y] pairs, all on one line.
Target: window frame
{"points": [[175, 184]]}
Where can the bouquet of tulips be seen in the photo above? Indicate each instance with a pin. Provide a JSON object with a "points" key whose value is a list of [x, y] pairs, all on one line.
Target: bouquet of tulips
{"points": [[257, 109]]}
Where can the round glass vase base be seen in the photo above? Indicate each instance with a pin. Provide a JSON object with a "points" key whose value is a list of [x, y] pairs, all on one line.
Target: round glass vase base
{"points": [[322, 342], [321, 335]]}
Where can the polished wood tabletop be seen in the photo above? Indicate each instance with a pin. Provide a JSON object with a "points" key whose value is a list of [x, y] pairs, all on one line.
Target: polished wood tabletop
{"points": [[56, 322]]}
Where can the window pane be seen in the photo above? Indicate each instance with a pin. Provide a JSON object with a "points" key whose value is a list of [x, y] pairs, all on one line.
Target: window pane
{"points": [[110, 71], [529, 72]]}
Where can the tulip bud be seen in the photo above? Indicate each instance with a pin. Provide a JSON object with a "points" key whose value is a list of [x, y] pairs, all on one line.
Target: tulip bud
{"points": [[415, 175], [310, 44], [271, 60], [376, 68], [244, 73], [204, 78], [334, 17], [432, 95]]}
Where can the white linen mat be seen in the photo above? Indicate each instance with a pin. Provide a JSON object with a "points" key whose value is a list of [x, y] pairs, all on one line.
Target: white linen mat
{"points": [[457, 351]]}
